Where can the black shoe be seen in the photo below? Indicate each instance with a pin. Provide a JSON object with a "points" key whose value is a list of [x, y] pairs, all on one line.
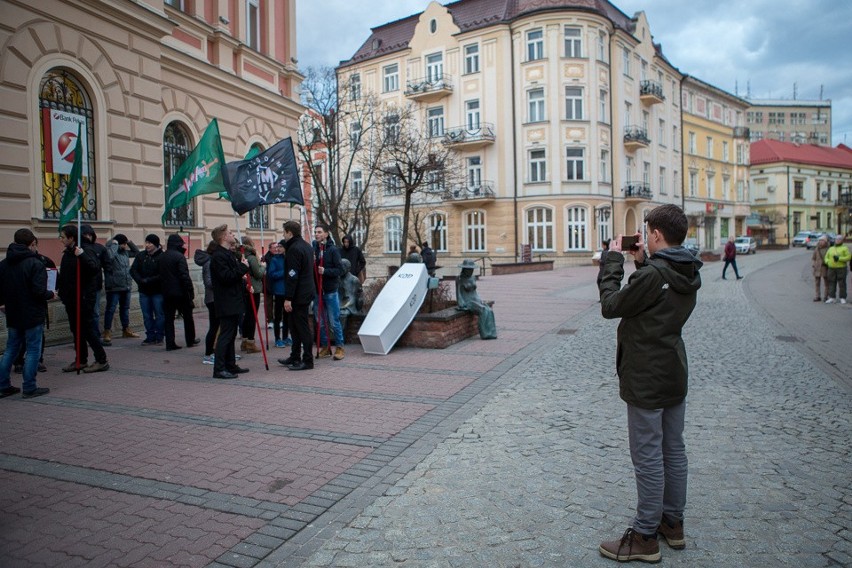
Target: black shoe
{"points": [[224, 375], [739, 277], [42, 368], [301, 366], [9, 391], [18, 369], [35, 393], [238, 370], [289, 361], [173, 348], [193, 343]]}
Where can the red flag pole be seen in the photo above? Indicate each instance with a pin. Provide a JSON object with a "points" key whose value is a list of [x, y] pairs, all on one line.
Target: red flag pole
{"points": [[256, 321], [263, 291], [319, 298], [79, 299]]}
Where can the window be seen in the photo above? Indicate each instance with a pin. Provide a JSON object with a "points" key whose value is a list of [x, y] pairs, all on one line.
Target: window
{"points": [[573, 42], [435, 122], [354, 134], [577, 229], [392, 128], [474, 234], [538, 166], [177, 146], [355, 87], [66, 104], [474, 173], [601, 46], [754, 117], [603, 175], [776, 118], [603, 111], [540, 228], [692, 143], [435, 181], [661, 181], [628, 114], [676, 184], [798, 189], [434, 67], [437, 225], [356, 186], [625, 61], [711, 186], [643, 70], [393, 234], [646, 174], [628, 169], [390, 79], [179, 4], [741, 191], [693, 184], [603, 224], [393, 185], [574, 164], [661, 132], [535, 45], [573, 103], [725, 154], [710, 147], [675, 139], [726, 188], [645, 121], [253, 24], [472, 114], [471, 58], [535, 105]]}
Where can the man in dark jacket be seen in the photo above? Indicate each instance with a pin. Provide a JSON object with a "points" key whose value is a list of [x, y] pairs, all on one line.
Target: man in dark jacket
{"points": [[329, 270], [429, 258], [146, 273], [178, 292], [227, 274], [24, 294], [299, 291], [730, 258], [118, 284], [353, 254], [82, 300], [651, 363], [99, 251]]}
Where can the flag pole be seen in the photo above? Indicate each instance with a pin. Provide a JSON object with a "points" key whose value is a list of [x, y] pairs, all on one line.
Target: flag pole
{"points": [[263, 285], [79, 297], [248, 289]]}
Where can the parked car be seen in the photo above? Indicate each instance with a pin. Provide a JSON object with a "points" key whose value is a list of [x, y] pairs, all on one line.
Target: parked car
{"points": [[802, 238], [745, 245], [692, 246]]}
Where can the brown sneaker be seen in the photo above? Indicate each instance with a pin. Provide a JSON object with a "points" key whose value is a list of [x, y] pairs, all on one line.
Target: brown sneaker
{"points": [[72, 366], [97, 367], [673, 534], [632, 546], [106, 338], [324, 353], [251, 347], [339, 353], [127, 332]]}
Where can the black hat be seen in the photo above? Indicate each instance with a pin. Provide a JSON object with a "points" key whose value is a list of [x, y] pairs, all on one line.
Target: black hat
{"points": [[120, 239], [282, 242], [175, 242], [153, 239]]}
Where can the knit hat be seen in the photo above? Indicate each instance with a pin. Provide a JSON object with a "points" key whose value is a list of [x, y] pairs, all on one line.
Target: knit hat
{"points": [[120, 239], [175, 242], [153, 239]]}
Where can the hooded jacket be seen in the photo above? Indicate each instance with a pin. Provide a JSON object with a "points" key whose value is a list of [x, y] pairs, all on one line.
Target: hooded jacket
{"points": [[145, 271], [202, 259], [227, 274], [174, 272], [100, 252], [118, 279], [654, 306], [23, 288], [328, 256], [275, 275], [353, 254], [256, 271], [66, 282], [841, 253], [299, 287]]}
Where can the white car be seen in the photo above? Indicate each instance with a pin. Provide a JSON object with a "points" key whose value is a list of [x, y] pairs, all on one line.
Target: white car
{"points": [[745, 245]]}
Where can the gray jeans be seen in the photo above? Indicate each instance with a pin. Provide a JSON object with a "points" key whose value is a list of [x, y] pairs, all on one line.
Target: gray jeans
{"points": [[659, 463]]}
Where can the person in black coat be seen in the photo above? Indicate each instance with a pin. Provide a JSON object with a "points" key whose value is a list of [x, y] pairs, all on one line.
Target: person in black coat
{"points": [[19, 360], [67, 287], [24, 294], [299, 291], [429, 258], [329, 271], [146, 273], [357, 263], [90, 240], [227, 274], [178, 292]]}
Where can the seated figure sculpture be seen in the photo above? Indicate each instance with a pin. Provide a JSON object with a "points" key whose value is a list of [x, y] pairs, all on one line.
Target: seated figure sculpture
{"points": [[351, 294], [469, 300]]}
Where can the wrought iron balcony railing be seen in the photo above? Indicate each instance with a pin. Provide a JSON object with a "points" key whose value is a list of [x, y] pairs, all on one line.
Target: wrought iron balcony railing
{"points": [[637, 190]]}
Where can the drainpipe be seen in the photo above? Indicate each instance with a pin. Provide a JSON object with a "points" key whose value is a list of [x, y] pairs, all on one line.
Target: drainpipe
{"points": [[613, 138], [514, 147], [789, 241]]}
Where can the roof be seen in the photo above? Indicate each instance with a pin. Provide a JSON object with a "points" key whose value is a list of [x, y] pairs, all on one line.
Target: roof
{"points": [[773, 151], [474, 14], [788, 103]]}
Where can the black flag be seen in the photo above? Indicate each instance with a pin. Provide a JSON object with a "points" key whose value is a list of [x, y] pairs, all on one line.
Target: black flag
{"points": [[269, 177]]}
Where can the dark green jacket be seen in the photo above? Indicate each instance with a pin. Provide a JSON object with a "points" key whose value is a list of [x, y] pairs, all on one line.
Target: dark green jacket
{"points": [[654, 306]]}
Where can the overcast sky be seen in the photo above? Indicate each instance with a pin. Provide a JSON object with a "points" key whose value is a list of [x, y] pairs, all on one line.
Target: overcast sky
{"points": [[765, 45]]}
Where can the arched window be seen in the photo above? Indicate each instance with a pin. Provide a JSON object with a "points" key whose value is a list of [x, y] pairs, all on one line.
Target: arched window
{"points": [[176, 147], [393, 234], [259, 216], [577, 229], [540, 228], [474, 231], [65, 105], [436, 224]]}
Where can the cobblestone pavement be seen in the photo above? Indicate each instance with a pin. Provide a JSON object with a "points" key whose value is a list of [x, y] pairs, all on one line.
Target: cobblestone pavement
{"points": [[541, 473], [509, 452]]}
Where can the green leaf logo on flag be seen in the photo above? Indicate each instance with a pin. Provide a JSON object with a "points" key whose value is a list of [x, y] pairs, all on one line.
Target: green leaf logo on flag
{"points": [[201, 173], [72, 198]]}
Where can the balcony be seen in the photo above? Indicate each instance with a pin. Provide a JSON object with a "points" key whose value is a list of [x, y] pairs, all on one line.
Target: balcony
{"points": [[742, 132], [465, 194], [844, 200], [466, 138], [635, 137], [429, 89], [651, 92], [636, 191]]}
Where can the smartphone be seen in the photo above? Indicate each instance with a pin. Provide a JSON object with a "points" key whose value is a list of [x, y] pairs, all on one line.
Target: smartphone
{"points": [[629, 243]]}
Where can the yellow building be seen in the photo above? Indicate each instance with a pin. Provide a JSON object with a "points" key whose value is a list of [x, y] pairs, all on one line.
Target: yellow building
{"points": [[565, 115], [715, 170], [144, 79]]}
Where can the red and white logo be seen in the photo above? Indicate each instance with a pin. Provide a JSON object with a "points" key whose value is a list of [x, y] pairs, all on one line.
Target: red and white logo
{"points": [[60, 128], [66, 144]]}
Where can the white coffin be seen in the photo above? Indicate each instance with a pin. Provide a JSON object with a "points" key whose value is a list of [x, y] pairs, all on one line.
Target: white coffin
{"points": [[394, 308]]}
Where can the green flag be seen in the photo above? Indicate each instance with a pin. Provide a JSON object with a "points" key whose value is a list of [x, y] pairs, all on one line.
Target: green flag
{"points": [[72, 198], [253, 151], [201, 172]]}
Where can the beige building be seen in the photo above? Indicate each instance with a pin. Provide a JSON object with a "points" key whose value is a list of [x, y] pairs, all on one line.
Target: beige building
{"points": [[801, 122], [565, 114], [144, 79], [715, 170]]}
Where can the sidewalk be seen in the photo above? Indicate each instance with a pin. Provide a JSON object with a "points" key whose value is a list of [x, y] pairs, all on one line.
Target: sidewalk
{"points": [[509, 452]]}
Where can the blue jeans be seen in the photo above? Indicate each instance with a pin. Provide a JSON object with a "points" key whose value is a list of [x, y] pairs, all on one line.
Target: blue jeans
{"points": [[15, 337], [331, 311], [153, 316], [115, 299], [96, 315], [659, 463]]}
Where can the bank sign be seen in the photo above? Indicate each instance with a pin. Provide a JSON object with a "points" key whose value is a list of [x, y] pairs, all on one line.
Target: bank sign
{"points": [[60, 139]]}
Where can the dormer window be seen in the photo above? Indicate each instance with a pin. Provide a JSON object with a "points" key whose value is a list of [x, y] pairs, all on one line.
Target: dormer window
{"points": [[433, 26]]}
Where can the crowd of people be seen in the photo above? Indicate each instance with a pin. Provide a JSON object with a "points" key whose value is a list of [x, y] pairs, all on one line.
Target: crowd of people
{"points": [[830, 266]]}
